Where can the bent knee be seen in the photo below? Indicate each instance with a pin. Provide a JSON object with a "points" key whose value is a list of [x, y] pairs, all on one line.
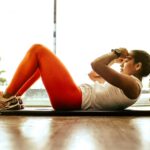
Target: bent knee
{"points": [[34, 48], [37, 48]]}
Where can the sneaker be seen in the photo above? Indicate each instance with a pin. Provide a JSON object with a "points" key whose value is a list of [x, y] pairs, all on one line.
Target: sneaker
{"points": [[8, 103], [19, 99], [20, 102]]}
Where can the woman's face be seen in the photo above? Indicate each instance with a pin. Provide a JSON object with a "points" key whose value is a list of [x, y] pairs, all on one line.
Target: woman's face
{"points": [[128, 66]]}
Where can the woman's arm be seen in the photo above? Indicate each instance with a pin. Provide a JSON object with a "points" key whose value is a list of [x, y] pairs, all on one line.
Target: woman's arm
{"points": [[122, 81], [96, 77]]}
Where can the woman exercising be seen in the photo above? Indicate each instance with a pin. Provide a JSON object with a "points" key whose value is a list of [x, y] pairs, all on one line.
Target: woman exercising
{"points": [[119, 91]]}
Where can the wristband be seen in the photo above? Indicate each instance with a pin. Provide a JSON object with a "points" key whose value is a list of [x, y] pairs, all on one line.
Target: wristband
{"points": [[117, 52]]}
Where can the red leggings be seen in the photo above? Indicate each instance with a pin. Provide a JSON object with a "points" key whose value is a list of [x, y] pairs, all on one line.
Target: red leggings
{"points": [[41, 62]]}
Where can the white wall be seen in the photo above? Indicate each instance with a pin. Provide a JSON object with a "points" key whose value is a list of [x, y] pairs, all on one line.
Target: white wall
{"points": [[88, 28], [85, 30], [23, 23]]}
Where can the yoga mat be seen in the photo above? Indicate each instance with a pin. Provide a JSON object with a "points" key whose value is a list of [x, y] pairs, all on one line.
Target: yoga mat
{"points": [[50, 112]]}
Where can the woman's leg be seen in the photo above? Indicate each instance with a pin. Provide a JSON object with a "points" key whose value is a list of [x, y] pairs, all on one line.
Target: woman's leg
{"points": [[63, 92], [31, 80]]}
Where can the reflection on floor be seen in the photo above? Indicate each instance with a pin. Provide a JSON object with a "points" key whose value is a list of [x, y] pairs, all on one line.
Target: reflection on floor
{"points": [[74, 133]]}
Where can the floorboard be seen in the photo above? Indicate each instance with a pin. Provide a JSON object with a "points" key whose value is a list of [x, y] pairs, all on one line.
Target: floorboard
{"points": [[74, 133]]}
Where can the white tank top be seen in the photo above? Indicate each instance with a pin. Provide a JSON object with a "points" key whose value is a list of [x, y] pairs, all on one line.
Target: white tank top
{"points": [[105, 97]]}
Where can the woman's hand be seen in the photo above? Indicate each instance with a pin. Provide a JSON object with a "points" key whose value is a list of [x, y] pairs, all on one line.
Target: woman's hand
{"points": [[119, 60], [95, 77], [123, 52]]}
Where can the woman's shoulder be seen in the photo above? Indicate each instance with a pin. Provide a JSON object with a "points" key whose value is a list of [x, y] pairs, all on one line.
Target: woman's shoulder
{"points": [[137, 80]]}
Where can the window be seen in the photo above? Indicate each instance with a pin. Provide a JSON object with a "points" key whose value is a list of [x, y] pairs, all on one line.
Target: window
{"points": [[24, 23], [88, 28], [85, 29]]}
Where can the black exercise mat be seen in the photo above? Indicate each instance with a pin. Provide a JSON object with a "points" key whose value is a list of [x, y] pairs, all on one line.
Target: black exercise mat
{"points": [[50, 112]]}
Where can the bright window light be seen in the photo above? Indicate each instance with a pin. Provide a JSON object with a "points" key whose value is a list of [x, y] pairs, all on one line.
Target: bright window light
{"points": [[88, 28], [23, 23], [85, 29]]}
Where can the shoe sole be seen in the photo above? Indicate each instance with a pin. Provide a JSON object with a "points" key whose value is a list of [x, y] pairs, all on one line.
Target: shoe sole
{"points": [[11, 104]]}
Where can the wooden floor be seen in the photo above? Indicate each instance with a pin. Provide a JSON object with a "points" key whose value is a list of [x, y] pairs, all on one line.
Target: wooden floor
{"points": [[74, 133]]}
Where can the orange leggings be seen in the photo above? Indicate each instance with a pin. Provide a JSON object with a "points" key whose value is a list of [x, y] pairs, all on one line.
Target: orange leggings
{"points": [[41, 62]]}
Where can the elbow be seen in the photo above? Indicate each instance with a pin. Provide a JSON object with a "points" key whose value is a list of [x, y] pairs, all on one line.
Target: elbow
{"points": [[95, 66], [98, 67]]}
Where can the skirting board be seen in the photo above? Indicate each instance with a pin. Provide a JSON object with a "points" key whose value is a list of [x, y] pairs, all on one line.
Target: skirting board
{"points": [[50, 112]]}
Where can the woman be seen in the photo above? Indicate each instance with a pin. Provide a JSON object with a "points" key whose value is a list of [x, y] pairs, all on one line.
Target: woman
{"points": [[118, 92]]}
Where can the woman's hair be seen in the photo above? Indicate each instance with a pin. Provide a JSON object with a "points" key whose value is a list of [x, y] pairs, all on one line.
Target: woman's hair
{"points": [[144, 58]]}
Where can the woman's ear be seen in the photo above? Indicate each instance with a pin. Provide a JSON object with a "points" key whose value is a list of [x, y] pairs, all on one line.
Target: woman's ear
{"points": [[138, 66]]}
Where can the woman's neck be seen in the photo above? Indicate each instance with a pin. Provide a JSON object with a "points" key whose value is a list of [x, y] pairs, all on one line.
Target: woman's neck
{"points": [[139, 77]]}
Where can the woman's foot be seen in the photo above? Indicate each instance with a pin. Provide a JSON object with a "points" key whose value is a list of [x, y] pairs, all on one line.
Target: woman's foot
{"points": [[20, 102], [9, 103]]}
